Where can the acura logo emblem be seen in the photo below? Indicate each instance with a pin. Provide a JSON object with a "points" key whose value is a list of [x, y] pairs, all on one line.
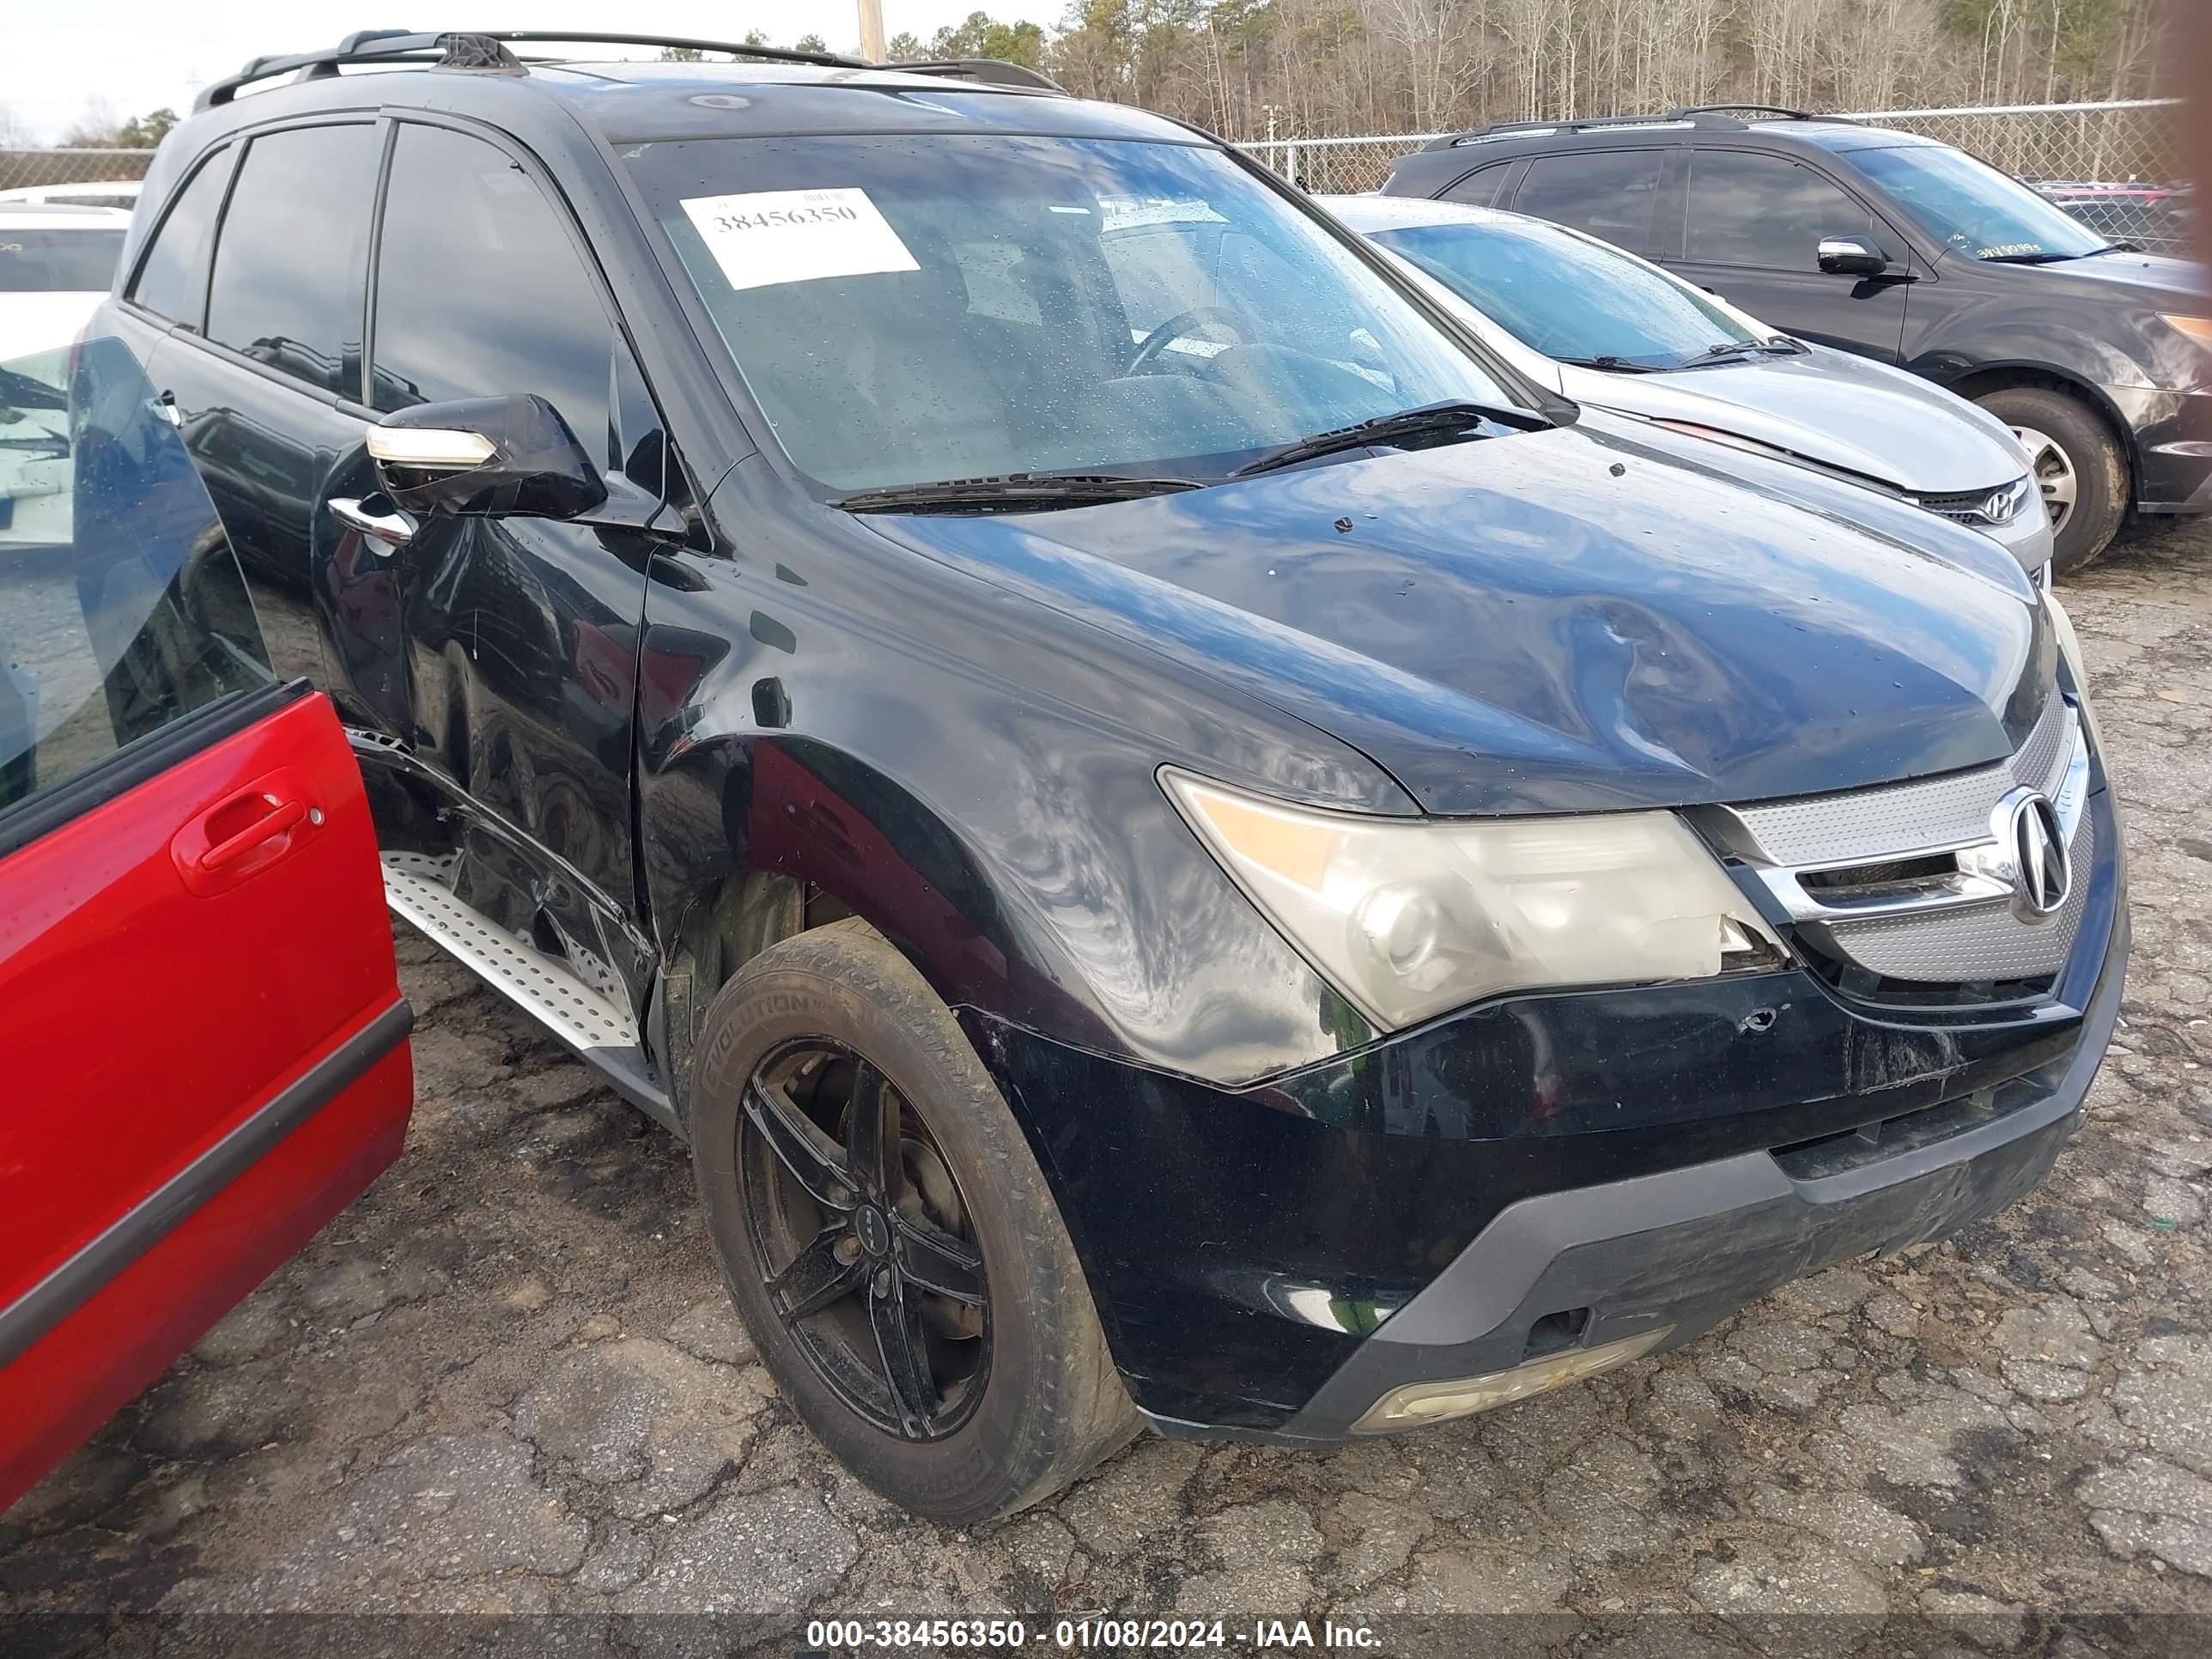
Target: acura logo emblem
{"points": [[2033, 850]]}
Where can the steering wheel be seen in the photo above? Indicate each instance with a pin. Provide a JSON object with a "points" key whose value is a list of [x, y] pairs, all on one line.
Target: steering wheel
{"points": [[1175, 328]]}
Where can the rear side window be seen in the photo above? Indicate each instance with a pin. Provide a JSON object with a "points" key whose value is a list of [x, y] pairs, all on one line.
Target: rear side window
{"points": [[1766, 211], [122, 610], [1480, 189], [481, 291], [1612, 194], [173, 276], [287, 261]]}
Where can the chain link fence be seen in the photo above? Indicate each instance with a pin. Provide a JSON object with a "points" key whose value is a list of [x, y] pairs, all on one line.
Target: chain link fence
{"points": [[2115, 166], [49, 173]]}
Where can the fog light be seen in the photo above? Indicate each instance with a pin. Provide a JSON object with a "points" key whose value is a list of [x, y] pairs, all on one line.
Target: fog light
{"points": [[1434, 1402]]}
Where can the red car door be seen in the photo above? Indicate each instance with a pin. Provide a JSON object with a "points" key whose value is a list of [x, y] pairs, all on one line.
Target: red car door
{"points": [[202, 1044]]}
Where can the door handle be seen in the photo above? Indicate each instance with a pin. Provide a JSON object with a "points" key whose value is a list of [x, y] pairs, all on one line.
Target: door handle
{"points": [[282, 818], [246, 832], [382, 530]]}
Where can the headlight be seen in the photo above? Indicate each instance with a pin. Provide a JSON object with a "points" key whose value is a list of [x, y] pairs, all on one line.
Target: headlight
{"points": [[2077, 669], [2070, 642], [1410, 917]]}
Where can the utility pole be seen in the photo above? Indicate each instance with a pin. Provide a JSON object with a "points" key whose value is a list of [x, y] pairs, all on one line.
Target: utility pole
{"points": [[871, 30]]}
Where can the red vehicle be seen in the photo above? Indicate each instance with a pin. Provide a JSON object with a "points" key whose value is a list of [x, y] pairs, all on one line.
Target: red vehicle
{"points": [[184, 836]]}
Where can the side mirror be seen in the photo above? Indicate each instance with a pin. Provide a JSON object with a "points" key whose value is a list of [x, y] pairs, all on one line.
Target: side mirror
{"points": [[485, 457], [1852, 256]]}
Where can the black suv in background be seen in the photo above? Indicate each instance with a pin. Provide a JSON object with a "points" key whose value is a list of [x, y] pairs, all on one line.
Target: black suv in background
{"points": [[1910, 251], [1184, 847]]}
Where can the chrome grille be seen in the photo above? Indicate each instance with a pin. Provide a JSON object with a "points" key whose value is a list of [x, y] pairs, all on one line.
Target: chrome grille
{"points": [[1891, 822], [2041, 761], [1964, 501], [1907, 882], [1968, 505], [1955, 947]]}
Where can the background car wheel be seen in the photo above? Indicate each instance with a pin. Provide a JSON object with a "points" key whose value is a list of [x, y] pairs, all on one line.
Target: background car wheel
{"points": [[2078, 465], [888, 1238]]}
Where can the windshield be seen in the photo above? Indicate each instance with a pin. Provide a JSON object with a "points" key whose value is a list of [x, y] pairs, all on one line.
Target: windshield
{"points": [[1982, 213], [1569, 298], [58, 261], [910, 309]]}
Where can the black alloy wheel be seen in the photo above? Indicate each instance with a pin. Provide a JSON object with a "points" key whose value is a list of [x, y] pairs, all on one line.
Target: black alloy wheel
{"points": [[889, 1237], [862, 1239]]}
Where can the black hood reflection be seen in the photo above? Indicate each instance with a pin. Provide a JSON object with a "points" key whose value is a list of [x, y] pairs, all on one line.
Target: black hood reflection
{"points": [[1556, 622]]}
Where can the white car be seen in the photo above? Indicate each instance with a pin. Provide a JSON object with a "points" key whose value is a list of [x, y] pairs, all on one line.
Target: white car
{"points": [[56, 262], [1605, 328], [36, 479], [121, 193]]}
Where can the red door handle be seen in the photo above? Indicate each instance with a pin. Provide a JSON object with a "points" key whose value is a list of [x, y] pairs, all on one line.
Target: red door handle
{"points": [[245, 831], [280, 820]]}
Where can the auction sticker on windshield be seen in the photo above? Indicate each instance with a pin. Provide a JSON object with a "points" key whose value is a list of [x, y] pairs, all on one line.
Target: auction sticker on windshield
{"points": [[765, 237]]}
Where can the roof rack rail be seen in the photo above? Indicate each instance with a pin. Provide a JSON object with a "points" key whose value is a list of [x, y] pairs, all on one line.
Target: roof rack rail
{"points": [[453, 48], [1565, 124], [988, 72], [1783, 110], [1599, 123]]}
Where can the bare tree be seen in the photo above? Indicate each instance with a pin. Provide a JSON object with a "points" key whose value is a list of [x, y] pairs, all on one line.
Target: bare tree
{"points": [[1350, 66]]}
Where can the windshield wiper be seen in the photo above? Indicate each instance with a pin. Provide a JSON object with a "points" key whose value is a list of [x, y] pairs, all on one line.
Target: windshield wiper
{"points": [[1729, 350], [19, 390], [1439, 420], [1609, 363], [1011, 490], [2045, 258]]}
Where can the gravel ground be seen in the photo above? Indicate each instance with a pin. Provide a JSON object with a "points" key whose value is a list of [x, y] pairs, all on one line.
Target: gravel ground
{"points": [[507, 1380]]}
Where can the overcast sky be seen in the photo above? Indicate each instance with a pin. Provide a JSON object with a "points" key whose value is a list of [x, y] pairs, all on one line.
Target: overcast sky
{"points": [[134, 56]]}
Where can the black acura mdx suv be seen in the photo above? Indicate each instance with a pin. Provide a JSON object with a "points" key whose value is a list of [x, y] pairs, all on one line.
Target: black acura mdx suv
{"points": [[1184, 847], [2097, 355]]}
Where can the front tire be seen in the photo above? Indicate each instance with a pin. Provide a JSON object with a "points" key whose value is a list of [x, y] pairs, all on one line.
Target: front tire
{"points": [[888, 1240], [2078, 465]]}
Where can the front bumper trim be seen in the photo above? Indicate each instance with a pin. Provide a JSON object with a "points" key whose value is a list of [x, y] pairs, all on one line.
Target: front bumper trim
{"points": [[1686, 1249]]}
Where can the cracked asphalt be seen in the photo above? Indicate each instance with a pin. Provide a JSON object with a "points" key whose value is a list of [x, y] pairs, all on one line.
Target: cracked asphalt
{"points": [[507, 1380]]}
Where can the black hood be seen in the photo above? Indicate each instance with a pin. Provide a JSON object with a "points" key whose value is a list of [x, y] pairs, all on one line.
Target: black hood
{"points": [[2152, 278], [1560, 621]]}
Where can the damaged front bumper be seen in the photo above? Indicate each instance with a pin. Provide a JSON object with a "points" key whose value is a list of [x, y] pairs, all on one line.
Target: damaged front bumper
{"points": [[1527, 1192], [1569, 1283]]}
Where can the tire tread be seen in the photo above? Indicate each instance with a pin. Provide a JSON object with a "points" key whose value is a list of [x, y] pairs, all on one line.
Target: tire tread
{"points": [[1077, 1413]]}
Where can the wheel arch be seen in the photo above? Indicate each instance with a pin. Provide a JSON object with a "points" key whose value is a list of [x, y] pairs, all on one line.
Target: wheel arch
{"points": [[813, 835], [2006, 375]]}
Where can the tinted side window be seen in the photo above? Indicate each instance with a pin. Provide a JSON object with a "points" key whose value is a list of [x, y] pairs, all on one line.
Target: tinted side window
{"points": [[1765, 210], [481, 291], [1609, 193], [1480, 189], [173, 277], [289, 257]]}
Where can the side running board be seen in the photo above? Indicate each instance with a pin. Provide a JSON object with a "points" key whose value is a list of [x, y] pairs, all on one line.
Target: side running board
{"points": [[543, 986]]}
